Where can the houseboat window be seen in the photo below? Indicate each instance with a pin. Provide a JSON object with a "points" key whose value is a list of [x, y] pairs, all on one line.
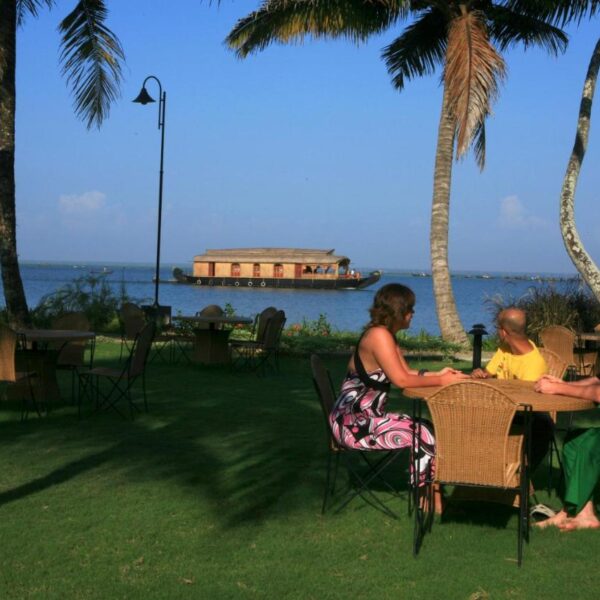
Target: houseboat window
{"points": [[255, 270], [319, 269], [329, 269], [307, 269], [277, 270], [235, 269]]}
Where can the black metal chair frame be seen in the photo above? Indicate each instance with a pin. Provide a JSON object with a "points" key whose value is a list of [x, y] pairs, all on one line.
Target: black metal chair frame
{"points": [[422, 504], [376, 461], [121, 380]]}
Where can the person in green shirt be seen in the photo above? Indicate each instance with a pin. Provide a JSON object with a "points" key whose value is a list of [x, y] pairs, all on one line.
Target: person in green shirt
{"points": [[581, 459], [518, 358]]}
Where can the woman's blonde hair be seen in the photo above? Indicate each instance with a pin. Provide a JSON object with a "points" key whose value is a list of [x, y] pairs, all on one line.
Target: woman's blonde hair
{"points": [[391, 303]]}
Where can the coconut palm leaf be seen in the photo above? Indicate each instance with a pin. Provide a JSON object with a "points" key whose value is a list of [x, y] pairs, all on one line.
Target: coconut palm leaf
{"points": [[557, 11], [479, 145], [91, 58], [473, 69], [291, 20], [31, 7], [508, 27], [419, 50]]}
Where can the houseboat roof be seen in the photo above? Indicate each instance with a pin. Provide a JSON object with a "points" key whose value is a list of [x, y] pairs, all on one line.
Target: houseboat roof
{"points": [[273, 255]]}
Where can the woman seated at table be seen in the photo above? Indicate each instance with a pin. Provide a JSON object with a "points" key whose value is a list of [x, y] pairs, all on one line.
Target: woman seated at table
{"points": [[581, 459], [359, 419]]}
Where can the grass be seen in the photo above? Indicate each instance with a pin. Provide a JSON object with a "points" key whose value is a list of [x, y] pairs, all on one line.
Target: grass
{"points": [[216, 493]]}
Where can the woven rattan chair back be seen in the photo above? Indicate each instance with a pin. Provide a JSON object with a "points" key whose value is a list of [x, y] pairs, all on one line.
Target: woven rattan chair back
{"points": [[8, 346], [262, 321], [557, 367], [473, 446], [273, 330], [73, 353], [326, 394], [141, 349], [561, 340], [132, 319]]}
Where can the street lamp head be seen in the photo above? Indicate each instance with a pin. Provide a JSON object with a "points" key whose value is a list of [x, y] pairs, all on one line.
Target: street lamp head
{"points": [[144, 97]]}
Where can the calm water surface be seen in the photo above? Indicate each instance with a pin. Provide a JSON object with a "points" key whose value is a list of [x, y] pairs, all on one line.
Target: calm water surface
{"points": [[345, 309]]}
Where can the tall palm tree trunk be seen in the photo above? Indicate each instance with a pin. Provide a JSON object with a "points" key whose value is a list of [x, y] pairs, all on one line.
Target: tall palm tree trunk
{"points": [[11, 276], [448, 319], [581, 259]]}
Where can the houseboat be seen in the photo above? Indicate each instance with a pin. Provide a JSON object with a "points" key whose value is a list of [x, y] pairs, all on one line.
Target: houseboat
{"points": [[286, 268]]}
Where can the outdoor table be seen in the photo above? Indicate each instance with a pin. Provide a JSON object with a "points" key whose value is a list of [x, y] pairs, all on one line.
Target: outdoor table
{"points": [[45, 359], [210, 345], [521, 392]]}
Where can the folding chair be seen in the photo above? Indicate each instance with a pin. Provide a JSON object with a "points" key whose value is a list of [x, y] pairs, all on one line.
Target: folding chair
{"points": [[132, 319], [121, 380], [259, 354], [477, 447], [71, 355], [376, 461], [9, 376]]}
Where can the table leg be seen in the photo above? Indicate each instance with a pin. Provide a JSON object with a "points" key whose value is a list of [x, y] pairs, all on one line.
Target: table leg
{"points": [[211, 347]]}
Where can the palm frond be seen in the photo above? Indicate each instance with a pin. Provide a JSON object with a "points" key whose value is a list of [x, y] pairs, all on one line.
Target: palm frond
{"points": [[91, 58], [556, 11], [508, 27], [473, 69], [419, 50], [30, 7], [479, 144], [289, 21]]}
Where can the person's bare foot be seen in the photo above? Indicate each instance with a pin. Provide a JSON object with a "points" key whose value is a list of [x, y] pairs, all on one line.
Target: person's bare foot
{"points": [[580, 523], [558, 520]]}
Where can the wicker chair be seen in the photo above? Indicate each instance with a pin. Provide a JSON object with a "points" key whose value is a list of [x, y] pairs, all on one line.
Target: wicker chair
{"points": [[562, 340], [258, 355], [376, 461], [9, 375], [476, 446], [71, 356], [132, 319]]}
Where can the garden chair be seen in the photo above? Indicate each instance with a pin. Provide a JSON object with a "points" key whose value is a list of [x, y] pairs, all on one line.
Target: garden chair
{"points": [[258, 355], [562, 340], [258, 331], [121, 380], [476, 446], [376, 461], [132, 320], [71, 356], [9, 376]]}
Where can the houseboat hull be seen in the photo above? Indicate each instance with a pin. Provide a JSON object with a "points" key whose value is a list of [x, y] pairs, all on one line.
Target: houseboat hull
{"points": [[310, 283]]}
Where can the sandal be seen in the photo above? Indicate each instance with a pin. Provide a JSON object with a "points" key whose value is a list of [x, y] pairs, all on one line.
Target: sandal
{"points": [[541, 510]]}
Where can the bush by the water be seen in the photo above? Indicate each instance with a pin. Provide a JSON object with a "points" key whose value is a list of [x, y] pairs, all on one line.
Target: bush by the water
{"points": [[89, 294], [574, 307]]}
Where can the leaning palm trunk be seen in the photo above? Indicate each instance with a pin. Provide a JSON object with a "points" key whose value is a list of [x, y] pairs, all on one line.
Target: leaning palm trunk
{"points": [[449, 321], [581, 259], [11, 276]]}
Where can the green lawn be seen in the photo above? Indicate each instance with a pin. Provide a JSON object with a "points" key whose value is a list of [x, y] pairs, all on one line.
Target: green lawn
{"points": [[216, 493]]}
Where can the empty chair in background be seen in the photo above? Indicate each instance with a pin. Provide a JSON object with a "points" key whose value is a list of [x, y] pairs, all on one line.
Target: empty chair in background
{"points": [[132, 320]]}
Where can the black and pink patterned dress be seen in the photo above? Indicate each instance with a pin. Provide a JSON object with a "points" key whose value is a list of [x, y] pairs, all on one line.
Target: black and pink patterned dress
{"points": [[358, 419]]}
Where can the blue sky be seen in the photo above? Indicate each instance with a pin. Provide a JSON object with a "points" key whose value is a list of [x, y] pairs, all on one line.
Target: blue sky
{"points": [[305, 145]]}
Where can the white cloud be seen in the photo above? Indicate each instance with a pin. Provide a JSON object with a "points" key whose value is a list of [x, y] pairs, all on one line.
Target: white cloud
{"points": [[514, 215], [81, 203]]}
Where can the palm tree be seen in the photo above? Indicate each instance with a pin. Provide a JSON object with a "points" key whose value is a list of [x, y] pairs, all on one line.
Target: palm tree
{"points": [[563, 11], [454, 34], [91, 59]]}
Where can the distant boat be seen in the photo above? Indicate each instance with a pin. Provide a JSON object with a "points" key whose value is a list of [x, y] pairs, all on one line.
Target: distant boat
{"points": [[103, 271], [286, 268], [421, 274]]}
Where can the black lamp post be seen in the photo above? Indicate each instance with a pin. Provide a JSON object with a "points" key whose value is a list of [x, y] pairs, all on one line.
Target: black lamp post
{"points": [[145, 98], [477, 332]]}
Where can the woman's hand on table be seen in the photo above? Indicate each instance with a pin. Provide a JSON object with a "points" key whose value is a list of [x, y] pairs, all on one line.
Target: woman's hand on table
{"points": [[449, 375]]}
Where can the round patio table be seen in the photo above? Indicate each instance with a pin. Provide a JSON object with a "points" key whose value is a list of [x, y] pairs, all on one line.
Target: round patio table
{"points": [[521, 392]]}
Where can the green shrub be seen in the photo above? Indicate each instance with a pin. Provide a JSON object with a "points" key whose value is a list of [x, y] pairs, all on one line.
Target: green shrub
{"points": [[90, 294], [575, 307]]}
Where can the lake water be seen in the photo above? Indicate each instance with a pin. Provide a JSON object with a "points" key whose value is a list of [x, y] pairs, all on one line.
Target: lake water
{"points": [[345, 309]]}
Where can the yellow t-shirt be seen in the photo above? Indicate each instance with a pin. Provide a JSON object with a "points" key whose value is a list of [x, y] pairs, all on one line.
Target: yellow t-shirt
{"points": [[526, 367]]}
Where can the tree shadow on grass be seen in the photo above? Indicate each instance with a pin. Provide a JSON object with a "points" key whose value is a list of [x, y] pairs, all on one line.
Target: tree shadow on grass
{"points": [[242, 442]]}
